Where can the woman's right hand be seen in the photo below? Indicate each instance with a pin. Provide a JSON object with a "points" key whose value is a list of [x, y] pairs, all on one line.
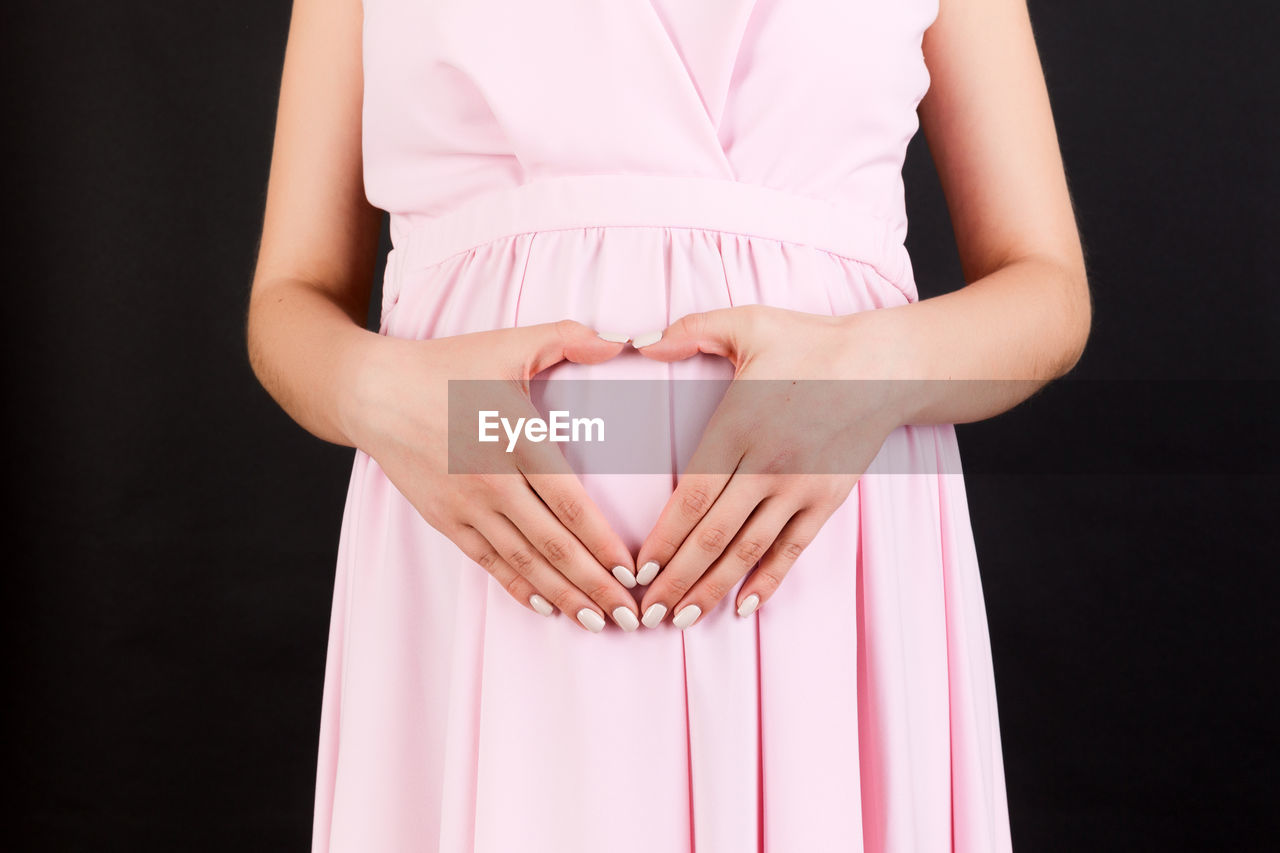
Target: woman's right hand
{"points": [[538, 533]]}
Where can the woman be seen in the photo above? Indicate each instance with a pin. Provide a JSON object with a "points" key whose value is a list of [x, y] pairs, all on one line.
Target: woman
{"points": [[751, 656]]}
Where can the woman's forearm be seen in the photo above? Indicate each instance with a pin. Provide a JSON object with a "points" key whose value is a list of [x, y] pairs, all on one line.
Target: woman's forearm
{"points": [[984, 348], [307, 351]]}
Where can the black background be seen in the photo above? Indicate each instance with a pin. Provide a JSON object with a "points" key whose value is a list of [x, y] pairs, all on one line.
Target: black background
{"points": [[168, 595]]}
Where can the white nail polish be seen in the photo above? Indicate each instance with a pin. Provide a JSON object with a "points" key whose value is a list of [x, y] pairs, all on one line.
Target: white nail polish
{"points": [[613, 337], [647, 573], [647, 339], [624, 576], [541, 605], [687, 616], [591, 620], [749, 605], [625, 619], [654, 615]]}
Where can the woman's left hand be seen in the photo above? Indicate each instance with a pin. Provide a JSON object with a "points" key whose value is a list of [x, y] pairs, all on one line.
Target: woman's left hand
{"points": [[777, 458]]}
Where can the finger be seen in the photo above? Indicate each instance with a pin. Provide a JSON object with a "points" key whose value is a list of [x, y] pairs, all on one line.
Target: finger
{"points": [[747, 548], [692, 498], [475, 546], [565, 496], [567, 555], [716, 332], [708, 472], [547, 344], [550, 476], [788, 545], [512, 546], [704, 545]]}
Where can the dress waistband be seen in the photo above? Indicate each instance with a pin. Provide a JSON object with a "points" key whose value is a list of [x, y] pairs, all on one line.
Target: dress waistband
{"points": [[673, 201]]}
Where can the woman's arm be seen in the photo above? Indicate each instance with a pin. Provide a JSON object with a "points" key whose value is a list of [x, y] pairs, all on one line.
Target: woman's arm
{"points": [[311, 288], [1026, 313], [1021, 322], [539, 535]]}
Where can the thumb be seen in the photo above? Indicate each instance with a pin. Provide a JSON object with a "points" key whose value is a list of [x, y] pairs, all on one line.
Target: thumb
{"points": [[548, 344], [716, 332]]}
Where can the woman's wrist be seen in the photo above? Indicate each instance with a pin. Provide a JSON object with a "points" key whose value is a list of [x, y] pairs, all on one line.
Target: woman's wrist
{"points": [[366, 382], [884, 356]]}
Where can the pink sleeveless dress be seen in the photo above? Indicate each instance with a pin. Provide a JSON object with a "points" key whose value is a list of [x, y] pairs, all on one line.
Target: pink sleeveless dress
{"points": [[624, 163]]}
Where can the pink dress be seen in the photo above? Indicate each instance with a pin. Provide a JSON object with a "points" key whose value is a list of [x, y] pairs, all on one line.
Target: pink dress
{"points": [[623, 163]]}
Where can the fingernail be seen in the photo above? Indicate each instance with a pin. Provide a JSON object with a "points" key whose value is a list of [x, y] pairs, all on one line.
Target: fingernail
{"points": [[591, 620], [541, 605], [749, 605], [613, 337], [624, 576], [641, 341], [654, 615], [647, 573], [687, 616], [626, 619]]}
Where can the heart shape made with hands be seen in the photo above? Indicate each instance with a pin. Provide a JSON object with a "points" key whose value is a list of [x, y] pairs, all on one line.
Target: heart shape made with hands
{"points": [[775, 460]]}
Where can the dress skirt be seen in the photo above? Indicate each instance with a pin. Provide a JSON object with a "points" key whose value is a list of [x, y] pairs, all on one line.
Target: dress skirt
{"points": [[856, 710]]}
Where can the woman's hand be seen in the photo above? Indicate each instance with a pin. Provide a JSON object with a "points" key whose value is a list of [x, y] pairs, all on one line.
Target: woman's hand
{"points": [[538, 534], [778, 457]]}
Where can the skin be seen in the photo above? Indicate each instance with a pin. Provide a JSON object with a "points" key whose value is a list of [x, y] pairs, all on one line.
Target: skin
{"points": [[1020, 322]]}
